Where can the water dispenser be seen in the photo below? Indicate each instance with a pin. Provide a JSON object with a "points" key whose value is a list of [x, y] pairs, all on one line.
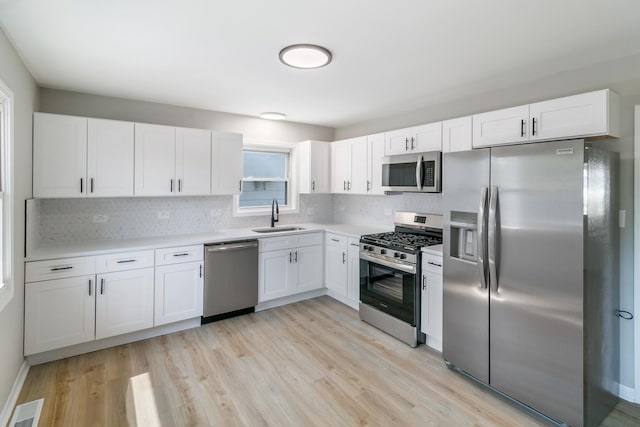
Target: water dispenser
{"points": [[464, 235]]}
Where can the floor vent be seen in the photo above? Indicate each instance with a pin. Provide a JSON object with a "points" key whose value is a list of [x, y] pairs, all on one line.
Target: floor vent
{"points": [[27, 414]]}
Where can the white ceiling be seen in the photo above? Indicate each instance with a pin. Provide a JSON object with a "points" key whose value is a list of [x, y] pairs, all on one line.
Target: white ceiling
{"points": [[388, 56]]}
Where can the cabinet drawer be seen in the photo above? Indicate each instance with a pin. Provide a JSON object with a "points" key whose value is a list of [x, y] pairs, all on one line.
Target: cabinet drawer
{"points": [[432, 263], [124, 261], [308, 239], [335, 239], [275, 243], [59, 268], [179, 254]]}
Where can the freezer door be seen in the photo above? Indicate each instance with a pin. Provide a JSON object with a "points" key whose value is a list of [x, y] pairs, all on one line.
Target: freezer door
{"points": [[536, 276], [466, 297]]}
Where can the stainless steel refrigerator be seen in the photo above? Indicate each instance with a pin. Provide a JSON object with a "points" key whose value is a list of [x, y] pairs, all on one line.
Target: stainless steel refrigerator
{"points": [[531, 275]]}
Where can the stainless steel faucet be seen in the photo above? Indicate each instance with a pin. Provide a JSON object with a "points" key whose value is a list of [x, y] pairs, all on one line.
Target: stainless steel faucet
{"points": [[275, 212]]}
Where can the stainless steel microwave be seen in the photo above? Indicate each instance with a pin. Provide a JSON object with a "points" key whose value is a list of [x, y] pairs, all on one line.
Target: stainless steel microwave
{"points": [[417, 172]]}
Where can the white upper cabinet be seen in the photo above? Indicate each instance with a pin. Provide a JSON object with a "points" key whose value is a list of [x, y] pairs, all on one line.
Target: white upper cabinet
{"points": [[340, 166], [59, 156], [456, 134], [416, 139], [579, 116], [226, 163], [155, 159], [314, 167], [109, 158], [584, 115], [78, 157], [505, 126], [193, 162], [375, 155], [358, 181]]}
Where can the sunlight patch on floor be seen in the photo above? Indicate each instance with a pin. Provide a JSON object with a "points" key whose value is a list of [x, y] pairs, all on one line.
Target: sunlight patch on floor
{"points": [[141, 403]]}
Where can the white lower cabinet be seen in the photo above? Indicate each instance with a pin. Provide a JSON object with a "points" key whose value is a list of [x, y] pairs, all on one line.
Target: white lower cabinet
{"points": [[124, 302], [342, 268], [431, 307], [59, 313], [178, 292], [290, 265]]}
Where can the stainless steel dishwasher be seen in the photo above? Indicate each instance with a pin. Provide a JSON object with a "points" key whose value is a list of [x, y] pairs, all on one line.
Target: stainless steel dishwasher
{"points": [[230, 279]]}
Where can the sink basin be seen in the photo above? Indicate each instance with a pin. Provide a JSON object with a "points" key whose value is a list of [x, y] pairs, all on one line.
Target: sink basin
{"points": [[276, 229]]}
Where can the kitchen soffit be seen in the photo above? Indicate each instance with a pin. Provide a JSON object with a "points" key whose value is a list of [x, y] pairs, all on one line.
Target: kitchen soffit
{"points": [[388, 57]]}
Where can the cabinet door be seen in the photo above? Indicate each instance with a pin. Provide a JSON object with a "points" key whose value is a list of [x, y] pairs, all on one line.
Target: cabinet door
{"points": [[572, 116], [397, 142], [310, 264], [277, 274], [353, 263], [155, 160], [501, 127], [340, 166], [226, 163], [193, 162], [359, 166], [124, 302], [374, 164], [434, 313], [178, 292], [58, 313], [456, 135], [426, 137], [336, 268], [59, 155], [109, 158], [320, 167]]}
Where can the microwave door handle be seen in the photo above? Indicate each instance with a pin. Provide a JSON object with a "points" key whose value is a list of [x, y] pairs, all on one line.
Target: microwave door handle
{"points": [[419, 173]]}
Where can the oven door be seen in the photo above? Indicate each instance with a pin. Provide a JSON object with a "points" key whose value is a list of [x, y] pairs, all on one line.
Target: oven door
{"points": [[391, 289]]}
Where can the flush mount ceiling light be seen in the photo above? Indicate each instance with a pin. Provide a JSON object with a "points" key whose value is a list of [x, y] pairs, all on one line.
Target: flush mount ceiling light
{"points": [[305, 56], [270, 115]]}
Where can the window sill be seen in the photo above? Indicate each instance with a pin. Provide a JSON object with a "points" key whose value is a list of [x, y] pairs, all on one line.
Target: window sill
{"points": [[262, 212]]}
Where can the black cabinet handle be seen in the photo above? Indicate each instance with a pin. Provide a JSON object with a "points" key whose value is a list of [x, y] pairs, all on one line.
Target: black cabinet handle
{"points": [[90, 286], [68, 267], [533, 126], [101, 286], [81, 185], [522, 128], [91, 184], [124, 261]]}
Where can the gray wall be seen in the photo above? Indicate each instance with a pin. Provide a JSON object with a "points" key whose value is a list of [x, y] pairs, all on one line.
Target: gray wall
{"points": [[621, 76], [14, 74], [105, 107]]}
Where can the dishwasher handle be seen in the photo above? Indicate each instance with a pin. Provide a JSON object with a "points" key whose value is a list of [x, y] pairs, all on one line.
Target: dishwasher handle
{"points": [[232, 247]]}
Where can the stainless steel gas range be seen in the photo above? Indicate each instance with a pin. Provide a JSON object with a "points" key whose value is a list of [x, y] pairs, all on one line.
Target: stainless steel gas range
{"points": [[390, 274]]}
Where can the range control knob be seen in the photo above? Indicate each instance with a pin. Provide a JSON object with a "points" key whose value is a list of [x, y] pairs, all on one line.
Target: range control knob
{"points": [[383, 251], [396, 255], [370, 248], [403, 256]]}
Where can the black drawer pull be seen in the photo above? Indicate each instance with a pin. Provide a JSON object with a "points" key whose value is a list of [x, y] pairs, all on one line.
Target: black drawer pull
{"points": [[123, 261], [68, 267], [183, 254]]}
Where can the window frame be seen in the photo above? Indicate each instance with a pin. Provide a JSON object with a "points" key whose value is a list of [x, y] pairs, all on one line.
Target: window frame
{"points": [[292, 186], [6, 195]]}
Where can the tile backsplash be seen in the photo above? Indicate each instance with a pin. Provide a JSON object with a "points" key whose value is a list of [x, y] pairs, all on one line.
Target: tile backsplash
{"points": [[66, 221]]}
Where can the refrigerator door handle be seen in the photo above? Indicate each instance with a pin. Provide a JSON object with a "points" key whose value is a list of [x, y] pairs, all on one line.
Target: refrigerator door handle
{"points": [[419, 172], [493, 238], [481, 239]]}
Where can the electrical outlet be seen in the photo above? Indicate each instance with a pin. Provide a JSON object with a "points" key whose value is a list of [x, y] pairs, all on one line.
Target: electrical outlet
{"points": [[100, 219], [216, 212], [164, 215]]}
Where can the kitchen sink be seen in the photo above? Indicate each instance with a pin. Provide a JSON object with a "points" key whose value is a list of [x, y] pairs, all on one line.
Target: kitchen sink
{"points": [[276, 229]]}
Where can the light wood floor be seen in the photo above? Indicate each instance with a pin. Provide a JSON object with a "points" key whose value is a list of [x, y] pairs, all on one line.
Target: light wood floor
{"points": [[305, 364]]}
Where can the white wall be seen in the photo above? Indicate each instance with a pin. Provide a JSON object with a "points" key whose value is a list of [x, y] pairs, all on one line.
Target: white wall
{"points": [[621, 76], [81, 104], [14, 74]]}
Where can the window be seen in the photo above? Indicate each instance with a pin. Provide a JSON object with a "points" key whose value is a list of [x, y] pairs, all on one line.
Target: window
{"points": [[6, 243], [266, 175]]}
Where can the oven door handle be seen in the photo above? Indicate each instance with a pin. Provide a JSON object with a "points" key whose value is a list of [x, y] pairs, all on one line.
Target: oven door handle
{"points": [[401, 267], [419, 173]]}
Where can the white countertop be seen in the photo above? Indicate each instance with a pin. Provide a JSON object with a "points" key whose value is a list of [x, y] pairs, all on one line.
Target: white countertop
{"points": [[110, 246]]}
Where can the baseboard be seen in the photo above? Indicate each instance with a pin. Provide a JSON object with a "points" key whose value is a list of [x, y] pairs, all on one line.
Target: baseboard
{"points": [[343, 299], [290, 299], [5, 416], [627, 393]]}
